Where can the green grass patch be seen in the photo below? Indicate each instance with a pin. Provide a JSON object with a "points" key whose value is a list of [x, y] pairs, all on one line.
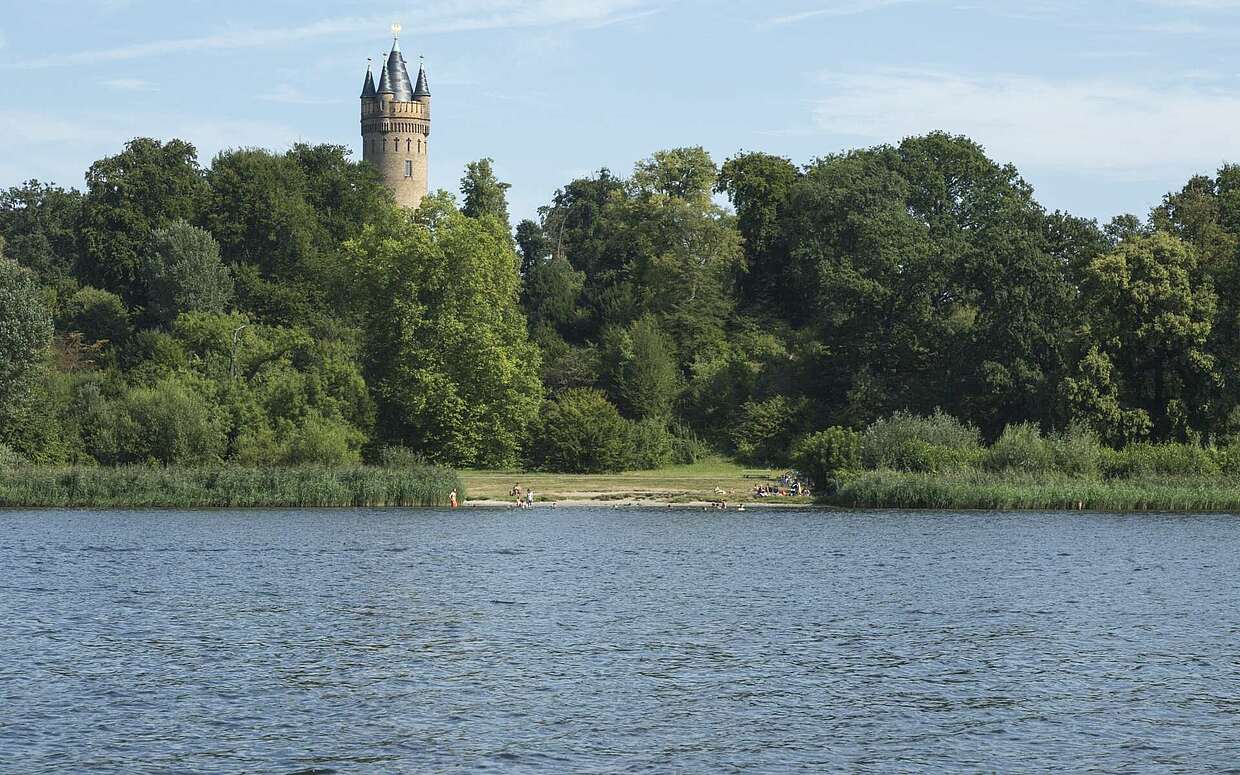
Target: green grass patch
{"points": [[1008, 492], [685, 483], [143, 486]]}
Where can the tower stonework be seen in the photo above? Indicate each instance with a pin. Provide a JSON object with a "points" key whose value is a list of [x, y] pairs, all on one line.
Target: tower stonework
{"points": [[396, 127]]}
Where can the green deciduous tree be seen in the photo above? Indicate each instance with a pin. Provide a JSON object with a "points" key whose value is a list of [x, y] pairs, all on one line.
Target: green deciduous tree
{"points": [[581, 432], [550, 294], [342, 193], [258, 207], [183, 272], [173, 422], [532, 244], [766, 430], [99, 316], [1206, 215], [279, 387], [926, 271], [40, 225], [823, 456], [25, 336], [143, 188], [449, 360], [681, 173], [484, 193], [1093, 398], [758, 184], [1152, 312], [640, 369]]}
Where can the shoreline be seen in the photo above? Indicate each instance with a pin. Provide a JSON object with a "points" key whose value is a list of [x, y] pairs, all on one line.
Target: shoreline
{"points": [[630, 503], [685, 488]]}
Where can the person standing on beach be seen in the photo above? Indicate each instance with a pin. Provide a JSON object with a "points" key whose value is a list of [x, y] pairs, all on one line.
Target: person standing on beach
{"points": [[452, 498], [529, 498]]}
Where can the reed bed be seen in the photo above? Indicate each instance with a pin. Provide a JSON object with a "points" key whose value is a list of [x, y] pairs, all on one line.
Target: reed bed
{"points": [[1011, 492], [308, 487]]}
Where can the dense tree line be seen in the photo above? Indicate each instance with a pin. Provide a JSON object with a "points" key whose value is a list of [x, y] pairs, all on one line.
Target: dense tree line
{"points": [[278, 308], [272, 309]]}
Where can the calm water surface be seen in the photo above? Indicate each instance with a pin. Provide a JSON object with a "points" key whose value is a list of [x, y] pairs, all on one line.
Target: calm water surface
{"points": [[581, 640]]}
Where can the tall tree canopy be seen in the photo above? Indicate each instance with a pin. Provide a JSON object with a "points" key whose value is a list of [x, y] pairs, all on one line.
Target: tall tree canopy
{"points": [[927, 271], [279, 308], [183, 272], [485, 194], [146, 186], [1152, 314], [450, 364], [40, 224], [758, 185], [25, 337]]}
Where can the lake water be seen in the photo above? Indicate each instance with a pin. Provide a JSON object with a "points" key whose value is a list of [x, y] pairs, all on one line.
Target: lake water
{"points": [[579, 640]]}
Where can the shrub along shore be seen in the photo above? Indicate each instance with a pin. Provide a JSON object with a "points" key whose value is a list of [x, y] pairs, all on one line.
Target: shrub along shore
{"points": [[938, 462], [980, 490], [148, 486]]}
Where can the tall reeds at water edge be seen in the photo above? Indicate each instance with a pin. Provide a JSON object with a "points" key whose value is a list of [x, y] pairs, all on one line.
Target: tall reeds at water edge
{"points": [[992, 491], [141, 486]]}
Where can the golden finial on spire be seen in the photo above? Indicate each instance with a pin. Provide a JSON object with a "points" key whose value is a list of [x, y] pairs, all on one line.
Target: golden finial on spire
{"points": [[396, 30]]}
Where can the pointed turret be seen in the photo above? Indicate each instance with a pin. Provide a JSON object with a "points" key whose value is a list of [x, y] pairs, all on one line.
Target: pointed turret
{"points": [[368, 87], [423, 89], [395, 78], [385, 84]]}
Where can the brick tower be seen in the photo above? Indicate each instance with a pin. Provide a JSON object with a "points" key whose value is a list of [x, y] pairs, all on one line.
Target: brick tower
{"points": [[396, 125]]}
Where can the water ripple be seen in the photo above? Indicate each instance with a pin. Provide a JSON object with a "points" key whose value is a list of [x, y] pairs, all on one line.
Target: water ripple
{"points": [[598, 641]]}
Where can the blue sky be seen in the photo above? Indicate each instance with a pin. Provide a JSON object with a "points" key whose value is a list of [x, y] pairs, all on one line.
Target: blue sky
{"points": [[1104, 105]]}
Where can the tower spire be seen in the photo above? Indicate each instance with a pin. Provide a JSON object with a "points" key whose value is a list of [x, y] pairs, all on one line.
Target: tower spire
{"points": [[423, 88], [394, 79], [368, 86]]}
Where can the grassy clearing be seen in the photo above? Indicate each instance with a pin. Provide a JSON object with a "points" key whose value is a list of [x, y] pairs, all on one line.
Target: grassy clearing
{"points": [[979, 490], [139, 486], [677, 484]]}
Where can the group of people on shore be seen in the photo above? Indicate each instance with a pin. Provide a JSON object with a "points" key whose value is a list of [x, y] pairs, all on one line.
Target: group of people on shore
{"points": [[525, 498], [790, 485]]}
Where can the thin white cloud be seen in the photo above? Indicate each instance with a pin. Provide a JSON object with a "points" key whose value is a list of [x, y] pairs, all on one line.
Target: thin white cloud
{"points": [[443, 17], [623, 19], [1123, 130], [1198, 5], [129, 84], [1023, 9], [1178, 27], [841, 8]]}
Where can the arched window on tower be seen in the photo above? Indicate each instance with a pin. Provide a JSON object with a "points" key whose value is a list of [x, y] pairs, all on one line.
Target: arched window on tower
{"points": [[397, 141], [408, 146]]}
